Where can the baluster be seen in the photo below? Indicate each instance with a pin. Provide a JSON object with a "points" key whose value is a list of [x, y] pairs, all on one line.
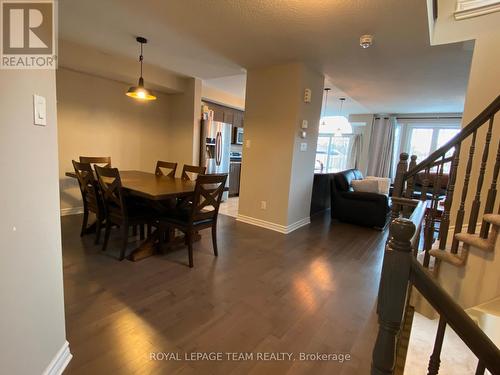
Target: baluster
{"points": [[392, 294], [476, 204], [435, 359], [450, 189], [480, 368], [425, 185], [428, 230], [459, 222], [492, 195], [397, 191], [410, 185]]}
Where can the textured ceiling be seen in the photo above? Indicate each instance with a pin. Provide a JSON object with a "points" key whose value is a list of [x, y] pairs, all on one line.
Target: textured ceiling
{"points": [[212, 39]]}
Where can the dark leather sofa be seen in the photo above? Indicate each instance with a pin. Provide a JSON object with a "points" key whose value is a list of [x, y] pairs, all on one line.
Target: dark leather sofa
{"points": [[367, 209]]}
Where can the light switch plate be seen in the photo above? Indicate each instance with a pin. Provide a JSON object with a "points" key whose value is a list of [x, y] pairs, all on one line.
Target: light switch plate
{"points": [[303, 146], [39, 110], [307, 96]]}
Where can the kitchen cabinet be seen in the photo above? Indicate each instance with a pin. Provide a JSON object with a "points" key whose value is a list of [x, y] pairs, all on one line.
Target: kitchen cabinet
{"points": [[226, 114], [234, 178], [238, 119]]}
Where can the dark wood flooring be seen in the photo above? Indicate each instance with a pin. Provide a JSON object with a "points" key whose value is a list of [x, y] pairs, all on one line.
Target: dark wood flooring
{"points": [[313, 290]]}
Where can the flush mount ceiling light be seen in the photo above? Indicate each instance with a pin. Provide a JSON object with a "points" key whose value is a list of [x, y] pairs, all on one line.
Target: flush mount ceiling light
{"points": [[366, 41], [139, 91], [327, 89]]}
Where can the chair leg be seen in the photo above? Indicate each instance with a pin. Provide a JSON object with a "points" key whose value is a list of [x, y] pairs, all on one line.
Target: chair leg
{"points": [[190, 248], [141, 229], [98, 224], [124, 241], [85, 222], [106, 235], [214, 239]]}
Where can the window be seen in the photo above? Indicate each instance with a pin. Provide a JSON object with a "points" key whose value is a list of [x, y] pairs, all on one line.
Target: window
{"points": [[332, 153], [424, 136]]}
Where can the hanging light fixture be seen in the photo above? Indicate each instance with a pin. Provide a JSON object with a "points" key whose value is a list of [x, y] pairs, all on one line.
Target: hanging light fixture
{"points": [[139, 91], [342, 125], [327, 89]]}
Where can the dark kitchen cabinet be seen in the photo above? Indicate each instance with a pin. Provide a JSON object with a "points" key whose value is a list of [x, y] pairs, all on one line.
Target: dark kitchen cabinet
{"points": [[234, 179], [226, 114], [229, 116], [238, 119]]}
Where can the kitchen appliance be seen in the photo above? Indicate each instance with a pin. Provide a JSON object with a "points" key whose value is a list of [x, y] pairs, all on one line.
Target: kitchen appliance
{"points": [[215, 145], [238, 136]]}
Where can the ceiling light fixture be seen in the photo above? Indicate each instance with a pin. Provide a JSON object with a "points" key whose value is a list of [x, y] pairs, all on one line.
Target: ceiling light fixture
{"points": [[366, 41], [139, 91], [327, 89], [342, 125]]}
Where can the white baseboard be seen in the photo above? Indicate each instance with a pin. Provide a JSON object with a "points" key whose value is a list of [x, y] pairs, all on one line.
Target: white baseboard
{"points": [[60, 361], [285, 229], [71, 211]]}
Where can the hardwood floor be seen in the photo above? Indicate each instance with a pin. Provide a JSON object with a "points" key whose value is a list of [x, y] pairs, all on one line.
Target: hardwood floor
{"points": [[313, 290]]}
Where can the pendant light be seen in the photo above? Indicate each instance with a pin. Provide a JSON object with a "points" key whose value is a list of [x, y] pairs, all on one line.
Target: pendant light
{"points": [[139, 91], [327, 89], [342, 125]]}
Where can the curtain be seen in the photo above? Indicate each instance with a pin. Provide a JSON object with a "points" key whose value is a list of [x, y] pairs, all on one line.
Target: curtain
{"points": [[381, 146], [355, 147]]}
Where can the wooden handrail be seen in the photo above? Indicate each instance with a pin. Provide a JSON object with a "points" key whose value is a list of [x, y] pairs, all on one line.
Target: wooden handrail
{"points": [[480, 119], [400, 271], [475, 339]]}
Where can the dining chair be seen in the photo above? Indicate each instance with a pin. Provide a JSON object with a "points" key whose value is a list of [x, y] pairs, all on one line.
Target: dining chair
{"points": [[201, 213], [120, 209], [192, 170], [104, 160], [91, 197], [169, 166]]}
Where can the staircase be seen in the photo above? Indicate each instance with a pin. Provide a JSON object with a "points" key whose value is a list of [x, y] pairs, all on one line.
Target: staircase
{"points": [[462, 219]]}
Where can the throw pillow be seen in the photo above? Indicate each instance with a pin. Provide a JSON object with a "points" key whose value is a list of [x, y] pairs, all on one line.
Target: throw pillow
{"points": [[365, 186]]}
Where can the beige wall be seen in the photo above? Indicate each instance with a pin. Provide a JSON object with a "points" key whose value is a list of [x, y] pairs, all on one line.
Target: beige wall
{"points": [[97, 119], [31, 286], [184, 127], [273, 169], [222, 97]]}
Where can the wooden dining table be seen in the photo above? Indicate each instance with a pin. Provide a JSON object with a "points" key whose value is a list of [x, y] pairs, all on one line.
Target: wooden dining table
{"points": [[153, 188]]}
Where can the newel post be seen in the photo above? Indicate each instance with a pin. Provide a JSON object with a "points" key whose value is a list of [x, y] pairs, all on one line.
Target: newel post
{"points": [[397, 191], [392, 294]]}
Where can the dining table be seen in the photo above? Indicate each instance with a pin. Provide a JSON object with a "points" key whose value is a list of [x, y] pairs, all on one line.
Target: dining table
{"points": [[152, 188]]}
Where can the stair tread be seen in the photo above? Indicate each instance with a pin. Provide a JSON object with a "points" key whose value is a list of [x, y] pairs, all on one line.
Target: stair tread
{"points": [[475, 240], [493, 219], [455, 259]]}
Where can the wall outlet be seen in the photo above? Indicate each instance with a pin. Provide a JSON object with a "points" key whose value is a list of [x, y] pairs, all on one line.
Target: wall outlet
{"points": [[263, 205]]}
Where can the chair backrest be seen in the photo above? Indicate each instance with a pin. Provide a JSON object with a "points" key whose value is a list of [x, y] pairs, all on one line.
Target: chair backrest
{"points": [[105, 160], [207, 196], [112, 193], [194, 170], [169, 166], [91, 194]]}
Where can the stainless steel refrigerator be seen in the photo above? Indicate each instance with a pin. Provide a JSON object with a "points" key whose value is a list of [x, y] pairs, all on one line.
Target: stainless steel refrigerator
{"points": [[215, 148]]}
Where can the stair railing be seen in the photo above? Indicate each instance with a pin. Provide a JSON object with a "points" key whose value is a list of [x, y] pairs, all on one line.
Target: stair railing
{"points": [[444, 163], [400, 272]]}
